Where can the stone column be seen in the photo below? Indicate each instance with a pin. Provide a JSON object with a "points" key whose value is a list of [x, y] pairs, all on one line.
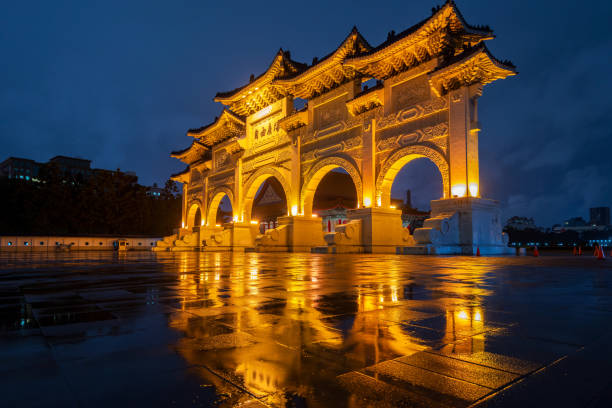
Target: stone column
{"points": [[205, 201], [184, 206], [463, 141], [368, 169], [293, 202], [237, 205]]}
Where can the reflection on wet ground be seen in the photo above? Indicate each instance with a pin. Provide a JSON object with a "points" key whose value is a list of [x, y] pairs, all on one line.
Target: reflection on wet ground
{"points": [[303, 330]]}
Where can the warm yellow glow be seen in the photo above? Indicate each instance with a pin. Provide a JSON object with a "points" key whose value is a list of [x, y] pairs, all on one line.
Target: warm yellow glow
{"points": [[367, 202], [458, 190], [379, 201], [217, 225], [183, 224], [463, 315], [294, 210], [474, 189], [477, 316], [314, 215], [394, 294], [202, 223], [235, 218], [392, 207], [254, 222]]}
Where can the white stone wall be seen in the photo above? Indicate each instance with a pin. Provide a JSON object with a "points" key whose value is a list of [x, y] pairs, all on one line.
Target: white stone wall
{"points": [[49, 243]]}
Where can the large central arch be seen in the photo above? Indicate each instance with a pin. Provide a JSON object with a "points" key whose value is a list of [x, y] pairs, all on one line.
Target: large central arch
{"points": [[318, 171], [213, 204], [399, 159], [254, 182]]}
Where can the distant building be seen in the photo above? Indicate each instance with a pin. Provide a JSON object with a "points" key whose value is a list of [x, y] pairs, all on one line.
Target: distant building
{"points": [[71, 168], [411, 217], [19, 168], [575, 222], [600, 216], [154, 191], [520, 223]]}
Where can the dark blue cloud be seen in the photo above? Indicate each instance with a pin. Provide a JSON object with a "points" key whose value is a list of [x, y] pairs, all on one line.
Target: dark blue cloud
{"points": [[120, 82]]}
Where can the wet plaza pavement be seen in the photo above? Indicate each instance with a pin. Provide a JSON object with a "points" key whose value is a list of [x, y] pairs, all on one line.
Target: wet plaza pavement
{"points": [[89, 329]]}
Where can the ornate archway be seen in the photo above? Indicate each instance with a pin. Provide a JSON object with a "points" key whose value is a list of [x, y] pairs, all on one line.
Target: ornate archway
{"points": [[194, 207], [318, 171], [423, 106], [399, 159], [254, 182], [213, 203]]}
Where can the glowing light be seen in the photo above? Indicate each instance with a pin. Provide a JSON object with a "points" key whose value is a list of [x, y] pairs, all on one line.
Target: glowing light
{"points": [[463, 315], [392, 207], [235, 218], [254, 222], [394, 294], [474, 189], [314, 215], [202, 223], [294, 210], [367, 201], [379, 201], [217, 225], [458, 190], [183, 224], [477, 316]]}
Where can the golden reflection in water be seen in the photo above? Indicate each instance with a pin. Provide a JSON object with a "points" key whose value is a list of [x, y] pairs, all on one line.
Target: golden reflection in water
{"points": [[272, 315]]}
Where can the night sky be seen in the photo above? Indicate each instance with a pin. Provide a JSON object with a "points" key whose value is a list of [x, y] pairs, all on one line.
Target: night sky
{"points": [[120, 82]]}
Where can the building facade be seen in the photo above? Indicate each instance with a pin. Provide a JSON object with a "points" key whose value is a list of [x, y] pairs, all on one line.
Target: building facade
{"points": [[600, 216]]}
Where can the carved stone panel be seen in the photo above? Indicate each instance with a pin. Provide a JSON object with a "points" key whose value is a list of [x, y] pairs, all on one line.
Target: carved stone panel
{"points": [[329, 113], [410, 92], [433, 129]]}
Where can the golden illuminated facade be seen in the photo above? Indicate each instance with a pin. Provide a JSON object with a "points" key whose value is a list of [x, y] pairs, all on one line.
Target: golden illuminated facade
{"points": [[424, 104]]}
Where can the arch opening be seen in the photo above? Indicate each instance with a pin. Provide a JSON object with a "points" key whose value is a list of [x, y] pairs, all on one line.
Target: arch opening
{"points": [[265, 202], [220, 210], [410, 185], [334, 194], [266, 188], [194, 216], [394, 163], [316, 174]]}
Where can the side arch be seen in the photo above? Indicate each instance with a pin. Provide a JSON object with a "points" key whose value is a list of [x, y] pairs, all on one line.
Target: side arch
{"points": [[214, 200], [194, 206], [401, 157], [253, 183], [318, 171]]}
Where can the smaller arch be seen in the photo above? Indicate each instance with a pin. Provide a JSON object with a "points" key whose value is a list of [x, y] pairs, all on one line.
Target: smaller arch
{"points": [[194, 207], [253, 184], [399, 159], [318, 171], [213, 203]]}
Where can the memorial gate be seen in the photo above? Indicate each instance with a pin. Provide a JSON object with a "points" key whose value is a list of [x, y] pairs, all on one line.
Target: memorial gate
{"points": [[422, 102]]}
